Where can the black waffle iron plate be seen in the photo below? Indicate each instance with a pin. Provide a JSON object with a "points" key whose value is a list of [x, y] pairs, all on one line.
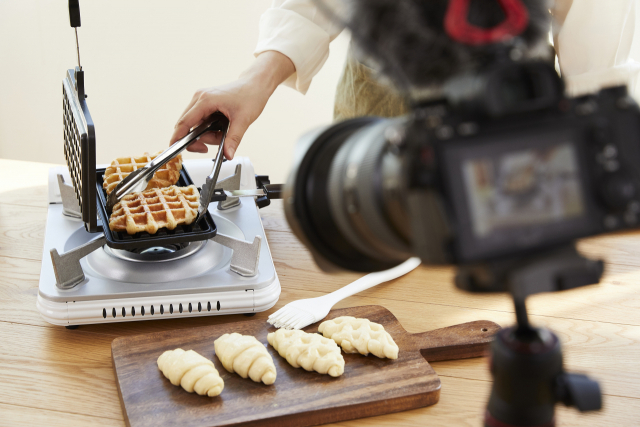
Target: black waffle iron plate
{"points": [[203, 230]]}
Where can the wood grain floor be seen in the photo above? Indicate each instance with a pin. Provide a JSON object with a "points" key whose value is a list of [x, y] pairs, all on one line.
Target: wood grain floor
{"points": [[53, 376]]}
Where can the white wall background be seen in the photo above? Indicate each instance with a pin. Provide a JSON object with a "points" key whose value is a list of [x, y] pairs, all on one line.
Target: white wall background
{"points": [[143, 60]]}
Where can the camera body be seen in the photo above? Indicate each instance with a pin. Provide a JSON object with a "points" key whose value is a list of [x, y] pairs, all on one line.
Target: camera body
{"points": [[519, 183], [503, 166]]}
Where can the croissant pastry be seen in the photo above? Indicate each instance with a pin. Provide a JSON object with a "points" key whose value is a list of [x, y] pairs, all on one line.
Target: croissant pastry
{"points": [[246, 356], [192, 371], [309, 351], [360, 336]]}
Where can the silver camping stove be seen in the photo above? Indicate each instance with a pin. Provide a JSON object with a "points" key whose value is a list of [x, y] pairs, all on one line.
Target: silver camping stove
{"points": [[232, 272], [218, 264]]}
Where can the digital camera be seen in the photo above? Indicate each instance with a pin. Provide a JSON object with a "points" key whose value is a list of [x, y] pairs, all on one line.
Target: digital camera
{"points": [[503, 165]]}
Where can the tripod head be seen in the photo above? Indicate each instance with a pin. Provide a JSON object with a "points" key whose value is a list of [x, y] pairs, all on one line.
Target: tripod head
{"points": [[526, 362]]}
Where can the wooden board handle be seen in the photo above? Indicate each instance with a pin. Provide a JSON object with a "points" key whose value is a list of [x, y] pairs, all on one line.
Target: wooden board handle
{"points": [[457, 342]]}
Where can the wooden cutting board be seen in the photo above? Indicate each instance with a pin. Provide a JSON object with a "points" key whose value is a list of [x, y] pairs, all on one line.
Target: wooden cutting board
{"points": [[369, 386]]}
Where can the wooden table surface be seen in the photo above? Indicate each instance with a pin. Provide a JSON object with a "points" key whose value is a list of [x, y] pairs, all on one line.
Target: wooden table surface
{"points": [[54, 376]]}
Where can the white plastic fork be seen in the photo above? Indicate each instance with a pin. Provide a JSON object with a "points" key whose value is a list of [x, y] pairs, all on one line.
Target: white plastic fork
{"points": [[301, 313]]}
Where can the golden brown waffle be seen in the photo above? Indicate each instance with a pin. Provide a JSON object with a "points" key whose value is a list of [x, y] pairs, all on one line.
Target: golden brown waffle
{"points": [[153, 209], [120, 168]]}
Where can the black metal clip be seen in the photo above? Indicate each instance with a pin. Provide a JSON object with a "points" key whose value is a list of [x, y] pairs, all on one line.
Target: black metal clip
{"points": [[218, 195], [271, 191]]}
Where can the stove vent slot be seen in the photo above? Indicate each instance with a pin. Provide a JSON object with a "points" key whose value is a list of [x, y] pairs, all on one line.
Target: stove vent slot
{"points": [[114, 313], [152, 309], [190, 307]]}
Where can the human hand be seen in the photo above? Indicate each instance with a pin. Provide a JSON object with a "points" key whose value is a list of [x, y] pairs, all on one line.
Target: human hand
{"points": [[241, 101]]}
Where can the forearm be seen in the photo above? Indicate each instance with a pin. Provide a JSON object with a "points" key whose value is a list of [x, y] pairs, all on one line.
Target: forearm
{"points": [[269, 70], [241, 101]]}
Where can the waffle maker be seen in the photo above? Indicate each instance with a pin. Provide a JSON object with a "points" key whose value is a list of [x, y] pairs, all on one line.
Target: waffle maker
{"points": [[216, 265]]}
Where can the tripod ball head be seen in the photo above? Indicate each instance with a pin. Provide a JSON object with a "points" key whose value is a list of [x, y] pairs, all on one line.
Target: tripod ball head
{"points": [[529, 380]]}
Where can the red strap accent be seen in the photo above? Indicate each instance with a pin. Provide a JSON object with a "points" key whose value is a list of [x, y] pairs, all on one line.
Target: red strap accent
{"points": [[459, 29]]}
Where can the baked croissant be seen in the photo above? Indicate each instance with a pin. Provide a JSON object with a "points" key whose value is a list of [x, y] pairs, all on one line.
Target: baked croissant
{"points": [[309, 351], [360, 336], [192, 371], [246, 356]]}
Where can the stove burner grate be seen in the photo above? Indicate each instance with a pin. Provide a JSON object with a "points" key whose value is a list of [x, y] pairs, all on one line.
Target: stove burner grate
{"points": [[160, 253]]}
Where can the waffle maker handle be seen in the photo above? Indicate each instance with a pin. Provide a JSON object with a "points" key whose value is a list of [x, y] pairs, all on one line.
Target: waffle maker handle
{"points": [[74, 13]]}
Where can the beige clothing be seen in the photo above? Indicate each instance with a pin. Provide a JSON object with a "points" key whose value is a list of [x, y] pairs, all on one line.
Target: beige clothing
{"points": [[298, 30], [360, 94]]}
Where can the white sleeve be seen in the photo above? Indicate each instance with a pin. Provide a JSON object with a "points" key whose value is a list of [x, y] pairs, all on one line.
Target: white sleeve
{"points": [[297, 29], [598, 44]]}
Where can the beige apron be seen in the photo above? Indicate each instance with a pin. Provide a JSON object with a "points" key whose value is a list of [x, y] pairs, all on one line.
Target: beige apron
{"points": [[359, 94]]}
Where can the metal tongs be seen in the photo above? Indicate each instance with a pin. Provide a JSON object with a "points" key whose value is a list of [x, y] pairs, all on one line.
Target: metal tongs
{"points": [[271, 191], [209, 186], [139, 179]]}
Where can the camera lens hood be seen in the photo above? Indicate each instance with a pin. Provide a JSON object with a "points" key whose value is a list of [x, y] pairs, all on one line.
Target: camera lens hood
{"points": [[307, 205], [356, 196]]}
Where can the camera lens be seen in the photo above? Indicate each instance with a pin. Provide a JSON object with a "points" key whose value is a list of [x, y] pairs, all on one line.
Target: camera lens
{"points": [[343, 198]]}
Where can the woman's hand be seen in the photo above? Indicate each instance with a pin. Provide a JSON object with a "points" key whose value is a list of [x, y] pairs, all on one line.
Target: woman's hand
{"points": [[241, 101]]}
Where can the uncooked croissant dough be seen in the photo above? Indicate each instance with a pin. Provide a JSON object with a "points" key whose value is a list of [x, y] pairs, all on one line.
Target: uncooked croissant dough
{"points": [[246, 356], [360, 336], [192, 371], [310, 351]]}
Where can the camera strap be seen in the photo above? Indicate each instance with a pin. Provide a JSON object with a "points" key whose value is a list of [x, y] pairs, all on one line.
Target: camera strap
{"points": [[458, 27]]}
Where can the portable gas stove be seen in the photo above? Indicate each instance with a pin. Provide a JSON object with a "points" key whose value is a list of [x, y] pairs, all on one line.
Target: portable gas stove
{"points": [[218, 264], [198, 278]]}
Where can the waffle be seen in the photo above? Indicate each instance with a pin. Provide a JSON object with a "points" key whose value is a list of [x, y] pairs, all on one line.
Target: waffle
{"points": [[120, 168], [153, 209]]}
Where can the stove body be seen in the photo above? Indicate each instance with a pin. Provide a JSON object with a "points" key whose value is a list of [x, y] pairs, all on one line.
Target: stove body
{"points": [[194, 280]]}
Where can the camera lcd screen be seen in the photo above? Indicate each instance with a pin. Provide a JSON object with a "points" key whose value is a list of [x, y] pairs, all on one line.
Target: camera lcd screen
{"points": [[523, 188], [513, 193]]}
